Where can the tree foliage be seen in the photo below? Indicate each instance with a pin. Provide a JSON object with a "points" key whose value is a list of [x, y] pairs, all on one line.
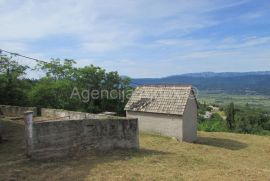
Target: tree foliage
{"points": [[250, 120], [230, 112], [60, 78], [238, 119], [13, 87]]}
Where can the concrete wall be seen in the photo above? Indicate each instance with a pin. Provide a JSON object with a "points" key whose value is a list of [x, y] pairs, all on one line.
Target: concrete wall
{"points": [[61, 138], [0, 132], [190, 121], [163, 124], [60, 113], [16, 111]]}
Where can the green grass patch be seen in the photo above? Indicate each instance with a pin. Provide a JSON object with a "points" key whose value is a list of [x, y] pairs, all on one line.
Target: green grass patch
{"points": [[212, 126]]}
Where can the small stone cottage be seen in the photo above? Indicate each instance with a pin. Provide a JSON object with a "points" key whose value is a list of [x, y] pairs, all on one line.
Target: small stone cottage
{"points": [[169, 110]]}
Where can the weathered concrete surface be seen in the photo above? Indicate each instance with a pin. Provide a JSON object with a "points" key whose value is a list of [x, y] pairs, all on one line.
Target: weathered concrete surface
{"points": [[28, 131], [61, 138], [16, 111], [60, 113], [0, 133], [163, 124], [190, 121]]}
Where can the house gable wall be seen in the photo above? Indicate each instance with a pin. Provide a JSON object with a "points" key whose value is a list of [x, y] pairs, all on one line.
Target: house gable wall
{"points": [[163, 124], [190, 120]]}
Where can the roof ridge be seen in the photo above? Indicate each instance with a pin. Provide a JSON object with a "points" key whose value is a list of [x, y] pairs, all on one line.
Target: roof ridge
{"points": [[165, 85]]}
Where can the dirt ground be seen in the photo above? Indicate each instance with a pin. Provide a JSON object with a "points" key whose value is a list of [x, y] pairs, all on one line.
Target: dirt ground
{"points": [[215, 156]]}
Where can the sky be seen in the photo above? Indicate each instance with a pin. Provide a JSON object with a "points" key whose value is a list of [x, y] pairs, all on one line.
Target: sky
{"points": [[141, 38]]}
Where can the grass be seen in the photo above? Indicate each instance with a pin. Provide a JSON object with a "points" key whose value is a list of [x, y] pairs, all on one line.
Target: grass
{"points": [[215, 156]]}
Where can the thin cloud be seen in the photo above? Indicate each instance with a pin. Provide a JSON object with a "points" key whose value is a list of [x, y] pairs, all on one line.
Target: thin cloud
{"points": [[137, 38]]}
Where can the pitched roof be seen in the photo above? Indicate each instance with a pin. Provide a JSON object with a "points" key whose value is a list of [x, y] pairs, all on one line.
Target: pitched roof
{"points": [[167, 99]]}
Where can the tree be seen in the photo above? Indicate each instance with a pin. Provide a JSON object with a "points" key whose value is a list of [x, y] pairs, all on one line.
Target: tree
{"points": [[12, 85], [57, 70], [230, 113], [62, 78], [53, 94], [243, 124], [55, 88], [251, 120]]}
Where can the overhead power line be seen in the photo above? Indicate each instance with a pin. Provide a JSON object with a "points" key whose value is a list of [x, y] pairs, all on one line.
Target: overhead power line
{"points": [[20, 55], [38, 60]]}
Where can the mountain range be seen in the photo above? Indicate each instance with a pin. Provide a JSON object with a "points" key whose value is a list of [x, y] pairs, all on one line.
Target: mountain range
{"points": [[224, 82]]}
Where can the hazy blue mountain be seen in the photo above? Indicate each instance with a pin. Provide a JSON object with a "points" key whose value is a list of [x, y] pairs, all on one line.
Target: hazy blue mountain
{"points": [[225, 74], [227, 82]]}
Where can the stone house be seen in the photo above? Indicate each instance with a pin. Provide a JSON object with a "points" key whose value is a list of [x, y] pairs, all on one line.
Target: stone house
{"points": [[169, 110]]}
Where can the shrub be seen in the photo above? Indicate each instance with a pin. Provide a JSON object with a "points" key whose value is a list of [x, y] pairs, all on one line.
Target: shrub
{"points": [[215, 124]]}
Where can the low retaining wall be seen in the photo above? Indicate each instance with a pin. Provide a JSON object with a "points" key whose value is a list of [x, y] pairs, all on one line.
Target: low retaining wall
{"points": [[0, 133], [61, 138], [16, 111], [60, 113]]}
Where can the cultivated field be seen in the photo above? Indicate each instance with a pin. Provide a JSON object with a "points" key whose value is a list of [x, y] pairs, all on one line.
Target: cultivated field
{"points": [[257, 101], [216, 156]]}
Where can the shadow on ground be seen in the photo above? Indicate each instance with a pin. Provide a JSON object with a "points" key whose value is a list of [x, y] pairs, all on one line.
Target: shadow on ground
{"points": [[222, 143], [15, 166]]}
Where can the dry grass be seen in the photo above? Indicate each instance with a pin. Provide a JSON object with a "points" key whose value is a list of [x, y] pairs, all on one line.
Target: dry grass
{"points": [[216, 156]]}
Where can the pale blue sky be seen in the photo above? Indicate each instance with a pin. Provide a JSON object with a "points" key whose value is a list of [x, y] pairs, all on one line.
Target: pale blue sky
{"points": [[142, 38]]}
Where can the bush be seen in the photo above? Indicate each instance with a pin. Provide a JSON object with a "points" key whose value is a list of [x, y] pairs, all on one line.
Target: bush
{"points": [[215, 124]]}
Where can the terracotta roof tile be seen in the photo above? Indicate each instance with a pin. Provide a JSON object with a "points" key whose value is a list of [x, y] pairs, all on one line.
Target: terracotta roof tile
{"points": [[169, 99]]}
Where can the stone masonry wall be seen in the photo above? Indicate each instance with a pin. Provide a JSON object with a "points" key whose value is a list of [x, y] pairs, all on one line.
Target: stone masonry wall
{"points": [[62, 138], [16, 111]]}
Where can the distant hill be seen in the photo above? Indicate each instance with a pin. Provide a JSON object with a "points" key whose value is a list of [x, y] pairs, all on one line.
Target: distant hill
{"points": [[225, 74], [227, 82]]}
